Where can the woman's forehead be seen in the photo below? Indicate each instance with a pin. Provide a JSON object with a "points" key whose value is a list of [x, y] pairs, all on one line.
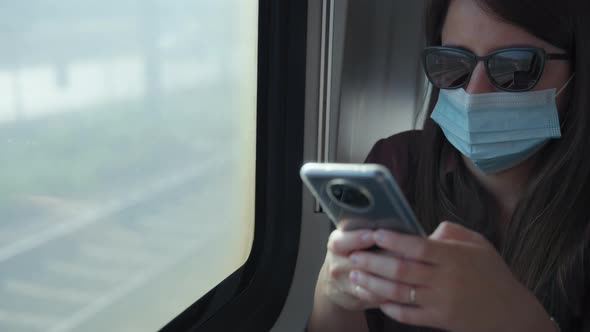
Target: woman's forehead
{"points": [[469, 26]]}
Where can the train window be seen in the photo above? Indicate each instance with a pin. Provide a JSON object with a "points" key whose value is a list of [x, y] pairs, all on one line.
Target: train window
{"points": [[252, 297], [128, 158]]}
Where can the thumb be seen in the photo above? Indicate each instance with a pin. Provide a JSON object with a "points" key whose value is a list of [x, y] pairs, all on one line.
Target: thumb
{"points": [[455, 232]]}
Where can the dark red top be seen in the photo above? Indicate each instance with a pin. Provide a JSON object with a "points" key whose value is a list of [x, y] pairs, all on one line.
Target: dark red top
{"points": [[399, 153]]}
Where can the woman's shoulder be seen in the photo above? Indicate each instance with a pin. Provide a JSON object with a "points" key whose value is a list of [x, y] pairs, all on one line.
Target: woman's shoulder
{"points": [[403, 143], [399, 153]]}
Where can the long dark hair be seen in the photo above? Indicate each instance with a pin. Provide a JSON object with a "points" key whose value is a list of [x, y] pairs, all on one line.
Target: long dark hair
{"points": [[547, 237]]}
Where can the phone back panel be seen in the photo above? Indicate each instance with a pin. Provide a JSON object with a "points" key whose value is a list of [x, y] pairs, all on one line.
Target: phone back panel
{"points": [[360, 196]]}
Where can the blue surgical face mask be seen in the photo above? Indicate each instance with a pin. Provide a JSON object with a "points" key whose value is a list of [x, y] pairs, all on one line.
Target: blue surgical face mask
{"points": [[498, 130]]}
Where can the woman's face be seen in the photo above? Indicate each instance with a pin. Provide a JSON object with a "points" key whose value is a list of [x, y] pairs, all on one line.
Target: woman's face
{"points": [[469, 26]]}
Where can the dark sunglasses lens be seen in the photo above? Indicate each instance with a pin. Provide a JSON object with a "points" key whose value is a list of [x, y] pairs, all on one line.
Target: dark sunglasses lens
{"points": [[515, 70], [448, 69]]}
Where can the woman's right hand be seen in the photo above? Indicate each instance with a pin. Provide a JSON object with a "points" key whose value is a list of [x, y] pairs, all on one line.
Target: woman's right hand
{"points": [[334, 280]]}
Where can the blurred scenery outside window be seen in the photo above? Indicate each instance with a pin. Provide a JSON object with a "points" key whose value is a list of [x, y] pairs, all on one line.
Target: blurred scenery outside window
{"points": [[127, 158]]}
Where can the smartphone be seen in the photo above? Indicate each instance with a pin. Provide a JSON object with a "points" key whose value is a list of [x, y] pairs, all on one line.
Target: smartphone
{"points": [[360, 196]]}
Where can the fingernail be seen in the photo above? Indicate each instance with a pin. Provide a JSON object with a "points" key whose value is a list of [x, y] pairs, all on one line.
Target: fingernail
{"points": [[379, 237], [366, 237], [355, 258], [354, 276]]}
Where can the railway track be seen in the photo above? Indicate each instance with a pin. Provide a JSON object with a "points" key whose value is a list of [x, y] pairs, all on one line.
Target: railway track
{"points": [[57, 273]]}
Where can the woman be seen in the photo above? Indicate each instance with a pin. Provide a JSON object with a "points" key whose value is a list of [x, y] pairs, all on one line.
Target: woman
{"points": [[499, 176]]}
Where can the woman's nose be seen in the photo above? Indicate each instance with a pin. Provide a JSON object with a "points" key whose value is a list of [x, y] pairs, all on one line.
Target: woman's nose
{"points": [[479, 81]]}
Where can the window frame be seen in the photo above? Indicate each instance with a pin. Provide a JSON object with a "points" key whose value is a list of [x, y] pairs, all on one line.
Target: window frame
{"points": [[251, 299]]}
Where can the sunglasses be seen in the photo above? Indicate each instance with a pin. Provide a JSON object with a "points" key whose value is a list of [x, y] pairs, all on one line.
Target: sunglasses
{"points": [[514, 69]]}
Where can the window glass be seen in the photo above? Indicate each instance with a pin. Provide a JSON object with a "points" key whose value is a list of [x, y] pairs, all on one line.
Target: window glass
{"points": [[127, 158]]}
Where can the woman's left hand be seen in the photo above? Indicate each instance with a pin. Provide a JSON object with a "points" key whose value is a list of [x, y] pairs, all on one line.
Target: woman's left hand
{"points": [[453, 280]]}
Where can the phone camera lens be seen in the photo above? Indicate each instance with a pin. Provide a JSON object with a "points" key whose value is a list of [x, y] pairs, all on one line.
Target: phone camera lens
{"points": [[350, 196], [337, 191]]}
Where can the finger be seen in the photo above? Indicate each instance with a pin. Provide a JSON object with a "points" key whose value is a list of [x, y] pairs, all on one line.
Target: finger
{"points": [[343, 295], [339, 268], [411, 247], [410, 315], [455, 232], [343, 242], [392, 291], [347, 286], [372, 299], [349, 292], [393, 268], [339, 265]]}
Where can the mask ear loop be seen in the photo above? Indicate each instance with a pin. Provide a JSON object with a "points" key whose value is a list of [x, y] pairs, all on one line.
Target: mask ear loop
{"points": [[565, 85], [557, 95]]}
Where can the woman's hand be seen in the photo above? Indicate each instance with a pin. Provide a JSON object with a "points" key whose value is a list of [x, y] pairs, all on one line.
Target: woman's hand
{"points": [[453, 280], [334, 280]]}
